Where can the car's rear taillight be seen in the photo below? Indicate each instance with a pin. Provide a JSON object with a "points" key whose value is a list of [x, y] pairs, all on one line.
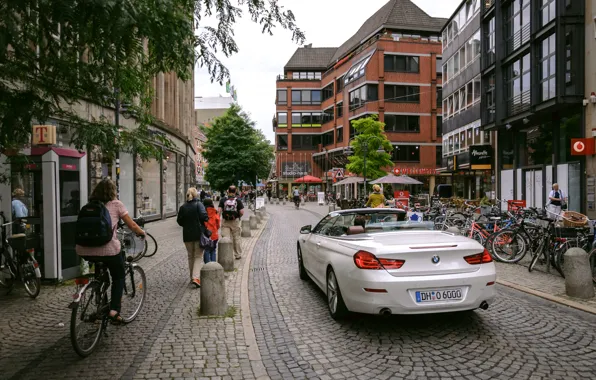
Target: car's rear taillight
{"points": [[479, 258], [366, 260]]}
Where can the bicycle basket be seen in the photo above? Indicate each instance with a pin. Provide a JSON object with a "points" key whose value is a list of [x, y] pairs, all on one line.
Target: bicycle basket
{"points": [[574, 219]]}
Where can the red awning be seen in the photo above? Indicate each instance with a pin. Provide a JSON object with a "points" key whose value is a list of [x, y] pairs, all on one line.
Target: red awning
{"points": [[62, 152], [308, 179]]}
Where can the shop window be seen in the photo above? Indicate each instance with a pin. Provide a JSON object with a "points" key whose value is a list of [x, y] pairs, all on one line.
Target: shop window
{"points": [[171, 177], [151, 188], [127, 183]]}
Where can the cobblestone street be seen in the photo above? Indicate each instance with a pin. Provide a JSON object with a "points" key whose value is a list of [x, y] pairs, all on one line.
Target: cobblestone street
{"points": [[519, 337]]}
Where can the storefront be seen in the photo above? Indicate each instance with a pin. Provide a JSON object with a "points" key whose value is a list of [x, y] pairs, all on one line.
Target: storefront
{"points": [[471, 172]]}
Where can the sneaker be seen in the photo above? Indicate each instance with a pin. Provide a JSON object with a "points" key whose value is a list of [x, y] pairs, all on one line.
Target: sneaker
{"points": [[196, 282]]}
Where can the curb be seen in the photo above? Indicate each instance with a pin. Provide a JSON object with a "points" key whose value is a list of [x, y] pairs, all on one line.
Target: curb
{"points": [[254, 355], [549, 297]]}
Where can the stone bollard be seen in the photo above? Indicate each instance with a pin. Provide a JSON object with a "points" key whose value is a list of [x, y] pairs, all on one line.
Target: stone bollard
{"points": [[454, 230], [245, 228], [213, 290], [252, 222], [284, 203], [263, 210], [225, 253], [578, 275], [331, 208], [276, 201], [259, 216]]}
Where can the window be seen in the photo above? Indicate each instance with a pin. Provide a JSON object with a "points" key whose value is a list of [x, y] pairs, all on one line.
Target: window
{"points": [[490, 99], [305, 142], [401, 63], [306, 119], [340, 134], [548, 68], [439, 126], [361, 95], [462, 98], [547, 11], [306, 75], [340, 109], [456, 102], [568, 63], [306, 97], [445, 74], [402, 94], [446, 108], [439, 66], [476, 89], [405, 153], [282, 96], [490, 43], [517, 24], [439, 96], [328, 115], [462, 57], [402, 123], [438, 155], [339, 84], [357, 70], [282, 119], [469, 94], [327, 138], [456, 63], [518, 85], [327, 91], [282, 142]]}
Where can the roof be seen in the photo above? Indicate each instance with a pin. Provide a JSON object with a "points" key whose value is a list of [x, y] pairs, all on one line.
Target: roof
{"points": [[310, 58], [397, 14]]}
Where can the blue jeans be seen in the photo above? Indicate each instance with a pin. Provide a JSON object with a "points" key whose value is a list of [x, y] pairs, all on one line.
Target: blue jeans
{"points": [[209, 255]]}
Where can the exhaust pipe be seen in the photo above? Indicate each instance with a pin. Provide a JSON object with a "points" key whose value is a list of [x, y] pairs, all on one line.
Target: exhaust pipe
{"points": [[385, 312], [484, 305]]}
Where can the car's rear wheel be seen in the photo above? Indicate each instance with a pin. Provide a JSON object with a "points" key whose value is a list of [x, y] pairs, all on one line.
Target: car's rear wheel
{"points": [[335, 301], [301, 269]]}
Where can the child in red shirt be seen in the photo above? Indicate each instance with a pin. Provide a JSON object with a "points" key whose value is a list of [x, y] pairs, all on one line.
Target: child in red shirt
{"points": [[212, 225]]}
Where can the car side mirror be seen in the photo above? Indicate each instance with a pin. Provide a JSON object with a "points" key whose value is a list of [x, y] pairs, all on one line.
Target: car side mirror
{"points": [[306, 229]]}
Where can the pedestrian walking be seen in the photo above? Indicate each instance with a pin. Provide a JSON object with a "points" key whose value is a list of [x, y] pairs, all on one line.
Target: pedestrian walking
{"points": [[104, 246], [231, 210], [202, 195], [192, 217], [212, 225], [556, 201], [376, 199]]}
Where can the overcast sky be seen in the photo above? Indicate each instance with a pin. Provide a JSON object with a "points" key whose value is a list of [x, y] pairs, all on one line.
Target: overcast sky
{"points": [[326, 23]]}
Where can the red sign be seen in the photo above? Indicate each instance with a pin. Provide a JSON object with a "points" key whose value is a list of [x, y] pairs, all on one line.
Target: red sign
{"points": [[414, 171], [582, 147], [69, 167], [514, 205], [401, 194]]}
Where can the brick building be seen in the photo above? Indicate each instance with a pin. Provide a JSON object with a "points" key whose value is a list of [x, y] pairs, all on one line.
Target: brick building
{"points": [[391, 68]]}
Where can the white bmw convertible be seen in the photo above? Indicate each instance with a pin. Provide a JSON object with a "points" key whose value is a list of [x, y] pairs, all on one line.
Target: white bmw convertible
{"points": [[373, 261]]}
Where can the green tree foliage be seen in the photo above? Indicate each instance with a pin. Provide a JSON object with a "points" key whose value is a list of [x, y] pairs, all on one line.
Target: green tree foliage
{"points": [[55, 52], [236, 150], [370, 132]]}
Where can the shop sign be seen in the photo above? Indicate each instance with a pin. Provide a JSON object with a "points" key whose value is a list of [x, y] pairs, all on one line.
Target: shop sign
{"points": [[451, 164], [481, 157], [414, 171], [44, 135], [68, 167], [401, 194], [295, 169], [582, 147]]}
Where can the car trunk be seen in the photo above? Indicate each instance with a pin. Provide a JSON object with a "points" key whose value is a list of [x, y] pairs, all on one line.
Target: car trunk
{"points": [[421, 247]]}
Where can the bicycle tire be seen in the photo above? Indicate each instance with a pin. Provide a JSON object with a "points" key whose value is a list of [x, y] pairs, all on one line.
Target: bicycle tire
{"points": [[99, 323], [558, 259], [147, 237], [498, 252], [477, 236], [33, 286], [539, 252], [136, 292]]}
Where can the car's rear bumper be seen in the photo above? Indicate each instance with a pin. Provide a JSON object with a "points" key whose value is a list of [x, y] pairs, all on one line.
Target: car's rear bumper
{"points": [[477, 287]]}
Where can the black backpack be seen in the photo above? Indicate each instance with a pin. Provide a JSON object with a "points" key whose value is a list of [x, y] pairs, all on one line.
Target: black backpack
{"points": [[94, 225]]}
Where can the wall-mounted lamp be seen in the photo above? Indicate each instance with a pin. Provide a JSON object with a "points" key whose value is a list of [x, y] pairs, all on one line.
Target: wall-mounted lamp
{"points": [[508, 126]]}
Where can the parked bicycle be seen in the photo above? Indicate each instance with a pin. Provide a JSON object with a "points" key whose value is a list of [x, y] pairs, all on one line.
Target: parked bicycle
{"points": [[17, 262], [91, 306]]}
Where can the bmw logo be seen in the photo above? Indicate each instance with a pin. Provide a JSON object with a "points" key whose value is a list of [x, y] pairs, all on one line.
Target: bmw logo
{"points": [[436, 259]]}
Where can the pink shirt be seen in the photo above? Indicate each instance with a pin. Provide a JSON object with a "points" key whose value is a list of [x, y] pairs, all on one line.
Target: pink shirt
{"points": [[117, 211]]}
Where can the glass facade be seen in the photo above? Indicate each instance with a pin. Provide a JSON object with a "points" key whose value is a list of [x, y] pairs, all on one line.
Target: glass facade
{"points": [[151, 188], [170, 174]]}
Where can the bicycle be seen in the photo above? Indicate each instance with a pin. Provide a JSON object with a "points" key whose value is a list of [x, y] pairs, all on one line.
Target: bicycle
{"points": [[129, 241], [91, 299], [21, 264]]}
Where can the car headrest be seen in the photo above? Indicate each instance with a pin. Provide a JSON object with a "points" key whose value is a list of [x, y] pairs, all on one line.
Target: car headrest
{"points": [[355, 230]]}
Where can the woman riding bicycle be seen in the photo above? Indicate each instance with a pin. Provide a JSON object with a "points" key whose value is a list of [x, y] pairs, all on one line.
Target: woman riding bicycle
{"points": [[110, 253]]}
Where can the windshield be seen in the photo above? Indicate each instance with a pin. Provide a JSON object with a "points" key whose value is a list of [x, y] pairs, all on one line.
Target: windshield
{"points": [[369, 222]]}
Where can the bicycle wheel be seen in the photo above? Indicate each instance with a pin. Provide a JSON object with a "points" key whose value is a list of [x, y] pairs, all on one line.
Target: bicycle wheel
{"points": [[476, 235], [592, 259], [150, 245], [30, 280], [508, 246], [135, 289], [558, 258], [87, 321], [541, 251]]}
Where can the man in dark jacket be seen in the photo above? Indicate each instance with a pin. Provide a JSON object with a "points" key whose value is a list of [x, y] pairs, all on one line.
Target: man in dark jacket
{"points": [[192, 217], [231, 210]]}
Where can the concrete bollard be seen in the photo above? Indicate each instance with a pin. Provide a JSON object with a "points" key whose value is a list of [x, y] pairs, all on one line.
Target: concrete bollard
{"points": [[259, 216], [454, 230], [578, 274], [331, 208], [245, 228], [284, 202], [225, 253], [213, 290], [263, 211], [252, 222], [276, 201]]}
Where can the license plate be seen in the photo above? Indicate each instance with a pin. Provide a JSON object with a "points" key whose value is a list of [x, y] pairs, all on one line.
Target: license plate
{"points": [[423, 296]]}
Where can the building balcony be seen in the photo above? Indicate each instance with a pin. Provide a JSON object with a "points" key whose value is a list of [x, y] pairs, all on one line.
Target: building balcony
{"points": [[519, 103], [518, 39], [283, 77]]}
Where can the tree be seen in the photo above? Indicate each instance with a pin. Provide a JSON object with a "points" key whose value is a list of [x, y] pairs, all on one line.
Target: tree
{"points": [[55, 52], [236, 150], [369, 141]]}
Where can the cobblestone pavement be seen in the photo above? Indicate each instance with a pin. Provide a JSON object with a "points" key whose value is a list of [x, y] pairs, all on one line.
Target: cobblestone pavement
{"points": [[519, 337], [167, 340]]}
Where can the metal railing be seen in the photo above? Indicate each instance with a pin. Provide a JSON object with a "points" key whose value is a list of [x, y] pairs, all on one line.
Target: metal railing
{"points": [[519, 103], [518, 39], [291, 77]]}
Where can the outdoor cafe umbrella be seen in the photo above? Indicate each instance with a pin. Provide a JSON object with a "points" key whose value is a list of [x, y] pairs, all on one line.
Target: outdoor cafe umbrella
{"points": [[395, 179], [349, 181], [308, 179]]}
